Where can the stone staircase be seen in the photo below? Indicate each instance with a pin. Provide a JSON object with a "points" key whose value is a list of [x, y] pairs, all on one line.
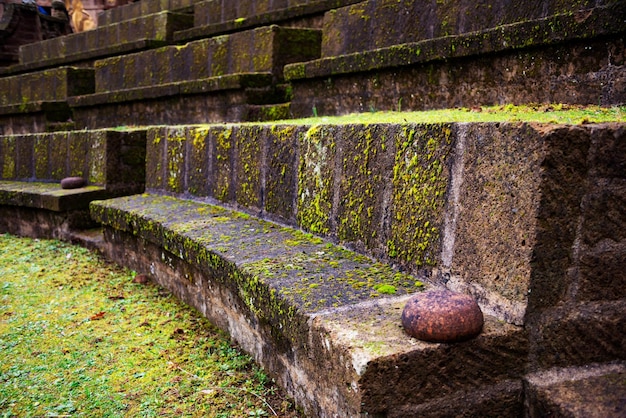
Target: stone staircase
{"points": [[305, 238]]}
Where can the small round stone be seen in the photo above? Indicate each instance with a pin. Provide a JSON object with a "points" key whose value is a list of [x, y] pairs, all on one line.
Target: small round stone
{"points": [[73, 183], [442, 316]]}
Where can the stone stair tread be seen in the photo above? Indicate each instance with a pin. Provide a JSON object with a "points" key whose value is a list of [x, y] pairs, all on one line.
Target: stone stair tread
{"points": [[251, 20], [141, 33], [322, 300], [103, 52], [48, 196], [205, 85], [539, 32], [309, 272], [137, 9]]}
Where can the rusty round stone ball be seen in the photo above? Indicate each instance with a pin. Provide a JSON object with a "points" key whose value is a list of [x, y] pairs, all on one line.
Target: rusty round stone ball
{"points": [[73, 183], [442, 316]]}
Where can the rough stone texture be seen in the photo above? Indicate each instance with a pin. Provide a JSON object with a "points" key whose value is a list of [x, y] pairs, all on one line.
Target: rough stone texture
{"points": [[594, 391], [84, 47], [385, 190], [48, 196], [375, 24], [36, 223], [114, 160], [215, 17], [581, 334], [495, 401], [140, 9], [171, 107], [332, 342], [564, 59], [265, 49], [45, 86]]}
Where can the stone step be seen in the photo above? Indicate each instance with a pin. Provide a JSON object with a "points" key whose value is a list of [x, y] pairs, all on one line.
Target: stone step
{"points": [[593, 391], [444, 71], [209, 80], [144, 32], [395, 191], [314, 314], [375, 24], [29, 102], [216, 17], [113, 160], [140, 9]]}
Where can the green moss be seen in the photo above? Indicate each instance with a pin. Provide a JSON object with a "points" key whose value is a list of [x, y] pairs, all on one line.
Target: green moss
{"points": [[420, 180], [249, 142], [386, 289], [223, 145], [315, 180], [176, 154]]}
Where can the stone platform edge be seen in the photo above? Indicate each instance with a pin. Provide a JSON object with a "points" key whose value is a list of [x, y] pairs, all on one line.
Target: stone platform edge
{"points": [[96, 53], [206, 85], [49, 196], [249, 21], [314, 314], [597, 22]]}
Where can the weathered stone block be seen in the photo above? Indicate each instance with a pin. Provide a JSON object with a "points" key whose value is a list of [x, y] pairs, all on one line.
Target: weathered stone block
{"points": [[603, 211], [155, 162], [364, 207], [8, 157], [58, 156], [223, 164], [589, 391], [592, 332], [42, 155], [176, 145], [420, 182], [602, 272], [48, 85], [78, 149], [608, 158], [24, 157], [281, 174], [250, 143], [317, 172], [376, 24], [199, 176]]}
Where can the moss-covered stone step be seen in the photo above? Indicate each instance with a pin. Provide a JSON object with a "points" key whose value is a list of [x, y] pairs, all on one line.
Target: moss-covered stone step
{"points": [[31, 102], [129, 36], [137, 10], [52, 85], [209, 80], [265, 49], [411, 194], [49, 196], [320, 318], [215, 17], [110, 160], [503, 64], [374, 24]]}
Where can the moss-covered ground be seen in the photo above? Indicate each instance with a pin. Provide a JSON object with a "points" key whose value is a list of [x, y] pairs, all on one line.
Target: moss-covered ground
{"points": [[81, 337], [543, 113]]}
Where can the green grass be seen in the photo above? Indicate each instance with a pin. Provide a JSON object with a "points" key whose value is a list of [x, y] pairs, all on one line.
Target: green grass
{"points": [[79, 338]]}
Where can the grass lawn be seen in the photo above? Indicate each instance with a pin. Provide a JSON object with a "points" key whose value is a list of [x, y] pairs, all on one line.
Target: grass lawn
{"points": [[79, 338]]}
